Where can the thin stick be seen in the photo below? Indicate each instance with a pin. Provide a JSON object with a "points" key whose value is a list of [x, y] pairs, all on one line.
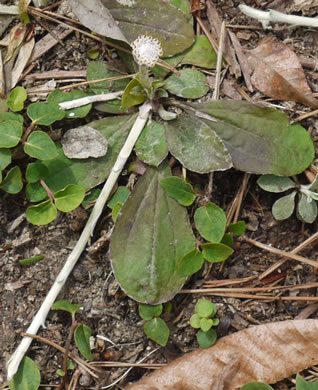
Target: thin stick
{"points": [[89, 99], [280, 252], [249, 296], [265, 17], [216, 92], [39, 319]]}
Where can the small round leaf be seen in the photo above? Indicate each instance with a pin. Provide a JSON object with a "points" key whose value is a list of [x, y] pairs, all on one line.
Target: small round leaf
{"points": [[35, 172], [272, 183], [12, 183], [210, 221], [10, 133], [284, 207], [238, 228], [191, 263], [179, 190], [69, 198], [58, 96], [191, 84], [157, 330], [44, 113], [39, 145], [27, 377], [306, 209], [195, 321], [41, 214], [227, 240], [17, 98], [205, 308], [216, 253], [35, 192], [206, 339], [206, 324], [65, 305], [81, 335], [148, 312]]}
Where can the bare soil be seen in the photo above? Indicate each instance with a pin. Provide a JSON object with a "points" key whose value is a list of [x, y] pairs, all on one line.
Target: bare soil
{"points": [[112, 316]]}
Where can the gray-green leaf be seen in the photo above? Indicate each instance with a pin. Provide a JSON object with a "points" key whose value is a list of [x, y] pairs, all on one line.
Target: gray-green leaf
{"points": [[284, 207], [306, 209], [191, 84], [272, 183]]}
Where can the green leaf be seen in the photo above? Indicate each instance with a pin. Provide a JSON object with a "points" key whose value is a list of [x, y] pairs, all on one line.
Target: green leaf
{"points": [[157, 330], [42, 213], [151, 146], [206, 324], [179, 190], [227, 240], [210, 221], [148, 312], [91, 197], [121, 195], [12, 183], [306, 209], [191, 263], [116, 210], [133, 95], [272, 183], [81, 336], [257, 386], [160, 72], [10, 133], [35, 192], [301, 384], [69, 198], [11, 116], [206, 339], [193, 143], [36, 171], [284, 207], [216, 253], [17, 98], [39, 145], [5, 158], [27, 377], [205, 308], [151, 236], [195, 321], [65, 305], [93, 53], [58, 96], [174, 31], [191, 84], [238, 228], [258, 139], [44, 113], [90, 172], [201, 53]]}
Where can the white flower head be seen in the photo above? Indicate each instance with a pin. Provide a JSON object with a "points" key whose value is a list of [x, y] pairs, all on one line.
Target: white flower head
{"points": [[146, 50]]}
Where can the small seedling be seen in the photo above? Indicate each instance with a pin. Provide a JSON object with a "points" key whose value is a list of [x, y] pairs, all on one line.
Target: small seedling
{"points": [[155, 328], [306, 209], [203, 319]]}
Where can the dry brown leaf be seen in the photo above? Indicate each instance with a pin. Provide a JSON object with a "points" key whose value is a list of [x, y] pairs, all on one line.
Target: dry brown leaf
{"points": [[266, 353], [13, 40], [23, 58], [277, 72]]}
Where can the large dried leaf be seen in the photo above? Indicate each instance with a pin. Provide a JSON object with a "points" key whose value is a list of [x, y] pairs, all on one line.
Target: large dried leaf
{"points": [[277, 72], [259, 140], [266, 353], [95, 16], [157, 18], [150, 238]]}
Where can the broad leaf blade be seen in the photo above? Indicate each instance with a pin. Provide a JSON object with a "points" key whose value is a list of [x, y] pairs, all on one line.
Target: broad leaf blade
{"points": [[258, 139], [27, 377], [192, 142], [81, 336], [156, 18], [284, 207], [190, 84], [151, 236]]}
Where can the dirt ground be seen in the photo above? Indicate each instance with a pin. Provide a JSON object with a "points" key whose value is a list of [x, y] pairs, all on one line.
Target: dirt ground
{"points": [[113, 317]]}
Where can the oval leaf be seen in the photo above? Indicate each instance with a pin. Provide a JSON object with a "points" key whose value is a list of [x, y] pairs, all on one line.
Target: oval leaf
{"points": [[206, 339], [179, 190], [210, 221], [201, 53], [27, 377], [194, 144], [69, 198], [191, 263], [205, 308], [120, 196], [17, 98], [148, 312], [5, 158], [157, 330], [258, 139], [44, 113], [272, 183], [59, 96], [306, 211], [36, 171], [133, 95], [151, 236], [39, 145], [191, 84], [284, 207], [10, 133], [151, 146], [12, 183], [216, 253], [81, 335], [41, 214], [237, 228], [65, 305], [35, 192], [206, 324]]}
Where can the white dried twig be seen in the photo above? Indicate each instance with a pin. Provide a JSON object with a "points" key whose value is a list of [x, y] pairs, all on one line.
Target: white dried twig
{"points": [[39, 319], [89, 99], [266, 17], [9, 9]]}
